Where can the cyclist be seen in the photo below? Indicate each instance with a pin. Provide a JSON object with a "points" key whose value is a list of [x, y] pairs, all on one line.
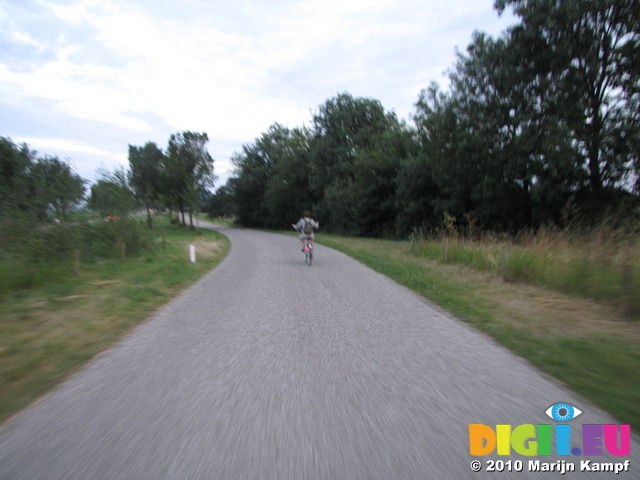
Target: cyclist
{"points": [[305, 227]]}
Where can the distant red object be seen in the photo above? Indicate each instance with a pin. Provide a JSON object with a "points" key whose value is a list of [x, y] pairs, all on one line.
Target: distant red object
{"points": [[112, 217]]}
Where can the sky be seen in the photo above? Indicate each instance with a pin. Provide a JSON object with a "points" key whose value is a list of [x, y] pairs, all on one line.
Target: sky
{"points": [[84, 79]]}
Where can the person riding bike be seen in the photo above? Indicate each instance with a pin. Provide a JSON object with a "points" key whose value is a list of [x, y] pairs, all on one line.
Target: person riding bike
{"points": [[305, 227]]}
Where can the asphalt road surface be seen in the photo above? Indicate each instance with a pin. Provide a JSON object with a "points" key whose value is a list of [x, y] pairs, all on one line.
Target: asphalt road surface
{"points": [[269, 369]]}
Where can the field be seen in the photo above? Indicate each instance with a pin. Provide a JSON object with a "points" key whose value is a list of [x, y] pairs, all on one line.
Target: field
{"points": [[58, 315]]}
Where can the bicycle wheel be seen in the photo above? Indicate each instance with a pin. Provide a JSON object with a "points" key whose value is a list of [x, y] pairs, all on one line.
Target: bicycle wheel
{"points": [[308, 254]]}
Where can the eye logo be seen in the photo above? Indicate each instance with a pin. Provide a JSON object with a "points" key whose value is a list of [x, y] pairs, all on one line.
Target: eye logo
{"points": [[563, 412]]}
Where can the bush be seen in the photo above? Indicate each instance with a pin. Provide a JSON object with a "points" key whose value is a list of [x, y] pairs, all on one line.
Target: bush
{"points": [[35, 254]]}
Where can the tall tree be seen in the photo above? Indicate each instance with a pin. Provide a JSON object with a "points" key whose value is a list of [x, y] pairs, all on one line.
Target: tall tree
{"points": [[416, 190], [374, 184], [354, 136], [287, 191], [111, 196], [586, 50], [15, 178], [519, 147], [448, 157], [56, 186], [221, 203], [146, 170], [253, 168], [188, 169]]}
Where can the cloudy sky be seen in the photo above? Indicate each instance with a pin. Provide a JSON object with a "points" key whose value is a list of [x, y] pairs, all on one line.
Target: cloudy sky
{"points": [[83, 79]]}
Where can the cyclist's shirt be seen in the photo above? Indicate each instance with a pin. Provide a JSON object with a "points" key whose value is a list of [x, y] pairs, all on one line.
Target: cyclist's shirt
{"points": [[302, 223]]}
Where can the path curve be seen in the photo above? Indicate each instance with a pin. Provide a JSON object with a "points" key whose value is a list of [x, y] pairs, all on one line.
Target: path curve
{"points": [[269, 369]]}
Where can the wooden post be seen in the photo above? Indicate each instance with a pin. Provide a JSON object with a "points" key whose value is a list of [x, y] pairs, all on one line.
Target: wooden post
{"points": [[123, 250], [446, 250]]}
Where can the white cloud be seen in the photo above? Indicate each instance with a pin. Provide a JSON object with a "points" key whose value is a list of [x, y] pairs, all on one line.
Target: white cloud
{"points": [[228, 68], [25, 38], [185, 74], [61, 144]]}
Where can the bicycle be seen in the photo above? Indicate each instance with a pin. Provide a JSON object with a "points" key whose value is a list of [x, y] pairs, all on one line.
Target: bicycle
{"points": [[308, 251], [305, 232]]}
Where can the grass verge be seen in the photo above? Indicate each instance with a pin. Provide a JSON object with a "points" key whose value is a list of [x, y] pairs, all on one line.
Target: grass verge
{"points": [[588, 346], [602, 266], [50, 330]]}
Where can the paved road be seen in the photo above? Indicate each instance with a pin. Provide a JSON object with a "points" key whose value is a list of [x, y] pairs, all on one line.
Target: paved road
{"points": [[269, 369]]}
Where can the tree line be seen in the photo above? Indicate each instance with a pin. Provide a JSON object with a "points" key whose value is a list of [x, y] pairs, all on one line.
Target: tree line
{"points": [[41, 197], [539, 126], [177, 179], [44, 188], [36, 188]]}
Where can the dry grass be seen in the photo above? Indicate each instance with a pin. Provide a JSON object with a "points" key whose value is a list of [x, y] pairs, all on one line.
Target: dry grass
{"points": [[205, 249], [540, 310], [603, 265]]}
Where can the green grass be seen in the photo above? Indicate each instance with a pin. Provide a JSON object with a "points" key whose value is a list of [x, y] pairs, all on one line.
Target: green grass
{"points": [[589, 346], [51, 327]]}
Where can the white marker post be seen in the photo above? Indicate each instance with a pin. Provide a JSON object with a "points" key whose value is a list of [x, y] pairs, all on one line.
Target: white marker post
{"points": [[192, 254]]}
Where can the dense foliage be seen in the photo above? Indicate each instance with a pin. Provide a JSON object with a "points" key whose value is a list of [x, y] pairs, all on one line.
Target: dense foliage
{"points": [[35, 189], [45, 229], [539, 126]]}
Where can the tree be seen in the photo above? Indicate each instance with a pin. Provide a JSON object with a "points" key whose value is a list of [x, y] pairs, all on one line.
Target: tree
{"points": [[270, 181], [415, 193], [447, 161], [110, 196], [354, 156], [374, 183], [513, 139], [56, 186], [343, 169], [221, 203], [342, 126], [16, 196], [287, 192], [251, 173], [189, 168], [146, 166], [587, 53], [30, 187]]}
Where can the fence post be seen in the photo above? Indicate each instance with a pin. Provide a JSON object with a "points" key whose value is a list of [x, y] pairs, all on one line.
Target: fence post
{"points": [[192, 254]]}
